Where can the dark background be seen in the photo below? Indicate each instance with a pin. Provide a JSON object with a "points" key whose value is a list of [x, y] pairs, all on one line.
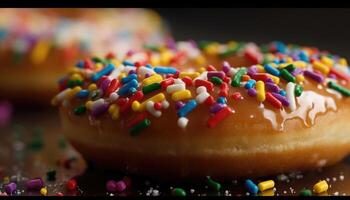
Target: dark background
{"points": [[327, 29]]}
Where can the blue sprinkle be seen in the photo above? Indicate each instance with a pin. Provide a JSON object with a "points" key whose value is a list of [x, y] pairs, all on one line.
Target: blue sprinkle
{"points": [[82, 94], [132, 91], [80, 64], [250, 84], [272, 70], [282, 92], [251, 186], [281, 47], [303, 56], [129, 78], [165, 70], [125, 89], [149, 66], [276, 61], [128, 63], [190, 105], [222, 100], [108, 69]]}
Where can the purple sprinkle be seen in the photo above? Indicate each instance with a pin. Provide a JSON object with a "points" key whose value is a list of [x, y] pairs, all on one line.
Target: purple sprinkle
{"points": [[281, 98], [179, 105], [252, 92], [111, 186], [313, 75], [100, 109], [269, 80], [10, 188], [272, 87], [147, 75], [120, 186], [252, 70], [35, 184], [193, 43], [216, 107], [332, 76], [295, 57], [104, 85], [225, 67], [132, 72], [5, 113], [297, 71], [171, 44], [219, 74]]}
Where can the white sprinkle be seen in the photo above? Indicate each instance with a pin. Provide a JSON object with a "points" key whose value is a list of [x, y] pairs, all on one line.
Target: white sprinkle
{"points": [[182, 122], [152, 110], [165, 104], [174, 88], [113, 96], [341, 177], [200, 98], [290, 95], [201, 89]]}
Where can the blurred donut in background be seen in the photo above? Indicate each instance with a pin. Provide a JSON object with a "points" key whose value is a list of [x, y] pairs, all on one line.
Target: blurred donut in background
{"points": [[38, 45]]}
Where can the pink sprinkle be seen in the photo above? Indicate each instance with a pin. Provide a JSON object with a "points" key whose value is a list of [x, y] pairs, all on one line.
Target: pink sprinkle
{"points": [[6, 110]]}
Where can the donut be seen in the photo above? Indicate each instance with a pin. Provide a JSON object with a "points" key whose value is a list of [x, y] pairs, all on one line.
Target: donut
{"points": [[281, 108], [37, 45]]}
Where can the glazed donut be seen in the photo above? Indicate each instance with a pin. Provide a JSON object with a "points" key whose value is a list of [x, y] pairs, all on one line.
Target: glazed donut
{"points": [[282, 108], [37, 45]]}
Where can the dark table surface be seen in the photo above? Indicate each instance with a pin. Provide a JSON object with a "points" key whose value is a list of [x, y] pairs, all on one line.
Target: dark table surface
{"points": [[32, 144]]}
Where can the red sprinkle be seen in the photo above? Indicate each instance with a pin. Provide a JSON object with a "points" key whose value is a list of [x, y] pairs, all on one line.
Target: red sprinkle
{"points": [[165, 83], [121, 101], [339, 74], [251, 57], [210, 68], [59, 194], [158, 106], [207, 84], [236, 96], [71, 184], [137, 64], [218, 117], [273, 100], [260, 77], [113, 86], [88, 64], [137, 119], [223, 90], [137, 96], [227, 79], [110, 55], [187, 80], [209, 101]]}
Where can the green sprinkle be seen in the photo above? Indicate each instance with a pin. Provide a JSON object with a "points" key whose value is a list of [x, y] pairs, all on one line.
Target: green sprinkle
{"points": [[36, 143], [80, 110], [298, 90], [290, 67], [339, 88], [70, 83], [287, 76], [139, 127], [62, 143], [231, 51], [150, 88], [204, 44], [305, 192], [79, 82], [216, 80], [236, 79], [178, 192], [51, 175], [99, 60], [151, 47], [213, 184]]}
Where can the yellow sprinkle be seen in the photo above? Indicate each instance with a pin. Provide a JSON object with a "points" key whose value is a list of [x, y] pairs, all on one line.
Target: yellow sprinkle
{"points": [[300, 64], [212, 49], [321, 186], [267, 193], [181, 95], [266, 185], [155, 78], [283, 65], [260, 89], [92, 87], [76, 77], [289, 59], [88, 105], [116, 62], [321, 67], [343, 62], [122, 75], [137, 106], [114, 111], [40, 51], [70, 94], [54, 101], [232, 44], [327, 61], [275, 79], [73, 70], [200, 60], [192, 75], [202, 69], [299, 78], [43, 191], [6, 180], [260, 68], [155, 61], [98, 66], [165, 57]]}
